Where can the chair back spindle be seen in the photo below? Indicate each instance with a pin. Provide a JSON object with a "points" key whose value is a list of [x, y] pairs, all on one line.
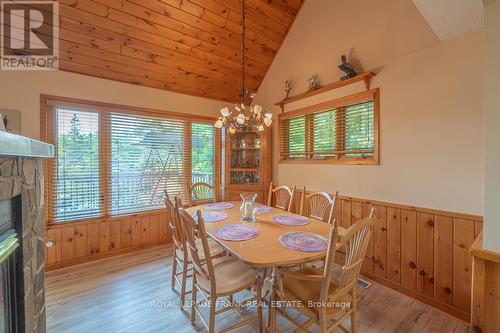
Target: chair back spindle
{"points": [[283, 197], [194, 230], [354, 242], [320, 206], [173, 222], [200, 193]]}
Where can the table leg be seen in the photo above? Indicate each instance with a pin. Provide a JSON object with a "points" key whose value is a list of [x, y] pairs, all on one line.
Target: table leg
{"points": [[271, 315]]}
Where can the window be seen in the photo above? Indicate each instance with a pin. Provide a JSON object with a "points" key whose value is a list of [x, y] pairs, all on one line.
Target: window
{"points": [[77, 191], [202, 143], [112, 160], [343, 131], [146, 159]]}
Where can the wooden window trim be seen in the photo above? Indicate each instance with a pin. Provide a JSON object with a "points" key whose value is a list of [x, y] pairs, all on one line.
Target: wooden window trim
{"points": [[340, 103], [47, 133]]}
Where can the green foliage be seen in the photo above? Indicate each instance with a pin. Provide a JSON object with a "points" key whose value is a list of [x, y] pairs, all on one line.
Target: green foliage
{"points": [[202, 139]]}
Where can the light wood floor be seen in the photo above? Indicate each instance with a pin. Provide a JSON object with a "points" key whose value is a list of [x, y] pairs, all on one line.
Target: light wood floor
{"points": [[116, 295]]}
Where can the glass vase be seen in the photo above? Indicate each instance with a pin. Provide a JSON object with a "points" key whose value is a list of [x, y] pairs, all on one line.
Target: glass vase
{"points": [[248, 207]]}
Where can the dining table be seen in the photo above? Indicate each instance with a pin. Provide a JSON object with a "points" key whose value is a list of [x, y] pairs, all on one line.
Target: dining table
{"points": [[265, 253]]}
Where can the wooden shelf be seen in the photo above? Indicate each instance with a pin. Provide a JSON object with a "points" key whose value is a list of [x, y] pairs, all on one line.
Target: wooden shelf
{"points": [[366, 77], [245, 169]]}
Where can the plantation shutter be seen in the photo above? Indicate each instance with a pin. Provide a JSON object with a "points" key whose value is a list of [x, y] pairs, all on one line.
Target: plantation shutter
{"points": [[341, 132], [147, 156], [74, 171]]}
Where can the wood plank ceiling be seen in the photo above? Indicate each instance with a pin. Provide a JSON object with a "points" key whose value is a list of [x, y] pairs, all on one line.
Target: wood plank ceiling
{"points": [[186, 46]]}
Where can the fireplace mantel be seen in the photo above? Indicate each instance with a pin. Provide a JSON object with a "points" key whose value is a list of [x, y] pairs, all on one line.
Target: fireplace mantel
{"points": [[17, 145]]}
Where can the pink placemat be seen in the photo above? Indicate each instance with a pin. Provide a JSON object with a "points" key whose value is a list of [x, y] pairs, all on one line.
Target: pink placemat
{"points": [[263, 209], [291, 220], [304, 241], [211, 216], [236, 232], [220, 205]]}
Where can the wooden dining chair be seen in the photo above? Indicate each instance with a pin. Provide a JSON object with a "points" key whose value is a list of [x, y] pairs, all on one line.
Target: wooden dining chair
{"points": [[320, 205], [216, 278], [283, 197], [328, 295], [180, 255], [200, 193]]}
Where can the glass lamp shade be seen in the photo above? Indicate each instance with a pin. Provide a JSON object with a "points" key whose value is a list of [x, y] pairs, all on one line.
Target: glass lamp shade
{"points": [[260, 128], [240, 119], [257, 109], [224, 111], [267, 121], [218, 124], [268, 115], [232, 130]]}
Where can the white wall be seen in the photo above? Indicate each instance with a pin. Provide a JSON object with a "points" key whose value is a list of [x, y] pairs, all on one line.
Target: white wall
{"points": [[20, 90], [431, 105], [492, 127]]}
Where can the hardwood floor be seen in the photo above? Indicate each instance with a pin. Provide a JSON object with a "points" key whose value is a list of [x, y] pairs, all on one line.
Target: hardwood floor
{"points": [[131, 293]]}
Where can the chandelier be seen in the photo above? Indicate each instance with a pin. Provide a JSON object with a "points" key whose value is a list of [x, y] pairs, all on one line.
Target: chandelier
{"points": [[244, 118]]}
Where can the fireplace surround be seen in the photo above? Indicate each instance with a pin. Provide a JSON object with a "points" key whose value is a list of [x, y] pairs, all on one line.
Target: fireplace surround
{"points": [[22, 202]]}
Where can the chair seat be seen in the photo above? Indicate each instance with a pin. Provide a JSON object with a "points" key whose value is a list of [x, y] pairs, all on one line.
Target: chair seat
{"points": [[308, 293], [214, 247], [231, 275]]}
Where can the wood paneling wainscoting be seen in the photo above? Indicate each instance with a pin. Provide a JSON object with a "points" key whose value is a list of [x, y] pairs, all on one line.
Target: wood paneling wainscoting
{"points": [[82, 241], [422, 253], [485, 288]]}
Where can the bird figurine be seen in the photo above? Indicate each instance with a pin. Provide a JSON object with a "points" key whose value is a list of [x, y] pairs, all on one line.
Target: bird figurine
{"points": [[347, 68], [288, 88], [313, 82]]}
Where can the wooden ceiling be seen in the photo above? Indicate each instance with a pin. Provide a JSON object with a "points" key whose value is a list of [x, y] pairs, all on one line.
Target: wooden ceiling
{"points": [[186, 46]]}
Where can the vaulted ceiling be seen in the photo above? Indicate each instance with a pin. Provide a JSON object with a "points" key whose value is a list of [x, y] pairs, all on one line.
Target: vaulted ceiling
{"points": [[187, 46]]}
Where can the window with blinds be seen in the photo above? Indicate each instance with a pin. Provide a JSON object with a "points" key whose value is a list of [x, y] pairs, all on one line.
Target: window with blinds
{"points": [[147, 158], [339, 131], [114, 161], [77, 190], [202, 153]]}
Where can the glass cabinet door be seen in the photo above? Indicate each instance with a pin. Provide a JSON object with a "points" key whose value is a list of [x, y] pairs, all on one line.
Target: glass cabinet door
{"points": [[245, 158]]}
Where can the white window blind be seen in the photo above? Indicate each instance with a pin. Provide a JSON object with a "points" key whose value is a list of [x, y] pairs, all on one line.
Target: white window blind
{"points": [[77, 191], [147, 157], [112, 161]]}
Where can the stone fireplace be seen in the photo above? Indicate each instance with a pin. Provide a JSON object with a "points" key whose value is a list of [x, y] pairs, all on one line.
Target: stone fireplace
{"points": [[22, 189]]}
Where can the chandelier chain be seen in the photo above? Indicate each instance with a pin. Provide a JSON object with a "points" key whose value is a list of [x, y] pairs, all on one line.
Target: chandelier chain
{"points": [[243, 89], [244, 118]]}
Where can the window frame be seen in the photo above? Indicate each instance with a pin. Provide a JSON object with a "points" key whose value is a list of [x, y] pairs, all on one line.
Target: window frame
{"points": [[48, 126], [309, 111]]}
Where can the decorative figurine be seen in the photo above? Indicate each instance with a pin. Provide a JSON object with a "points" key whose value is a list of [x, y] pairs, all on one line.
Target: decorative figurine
{"points": [[3, 123], [313, 82], [347, 68], [288, 88]]}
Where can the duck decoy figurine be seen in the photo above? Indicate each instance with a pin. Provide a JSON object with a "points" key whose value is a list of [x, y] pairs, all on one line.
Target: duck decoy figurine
{"points": [[347, 68]]}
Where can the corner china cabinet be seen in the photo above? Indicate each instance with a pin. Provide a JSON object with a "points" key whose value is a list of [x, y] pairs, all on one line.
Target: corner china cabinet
{"points": [[248, 164]]}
